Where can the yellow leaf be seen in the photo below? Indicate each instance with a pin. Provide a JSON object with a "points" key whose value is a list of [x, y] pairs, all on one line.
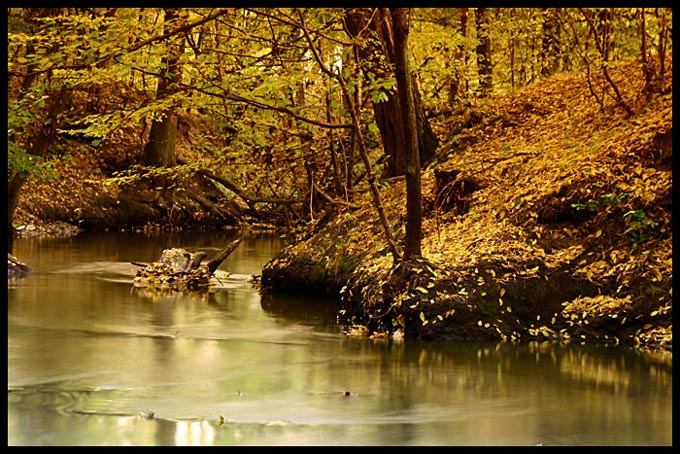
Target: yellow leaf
{"points": [[509, 309], [598, 233], [502, 291], [500, 301]]}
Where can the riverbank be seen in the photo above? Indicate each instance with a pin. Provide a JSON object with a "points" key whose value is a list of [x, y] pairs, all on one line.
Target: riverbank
{"points": [[546, 218]]}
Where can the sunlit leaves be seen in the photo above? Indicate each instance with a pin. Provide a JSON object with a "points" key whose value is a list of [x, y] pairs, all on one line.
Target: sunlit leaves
{"points": [[380, 87], [138, 173]]}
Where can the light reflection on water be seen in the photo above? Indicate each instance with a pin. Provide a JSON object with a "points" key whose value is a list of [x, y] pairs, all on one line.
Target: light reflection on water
{"points": [[88, 353]]}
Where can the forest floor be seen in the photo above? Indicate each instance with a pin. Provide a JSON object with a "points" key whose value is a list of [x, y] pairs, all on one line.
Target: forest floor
{"points": [[547, 217]]}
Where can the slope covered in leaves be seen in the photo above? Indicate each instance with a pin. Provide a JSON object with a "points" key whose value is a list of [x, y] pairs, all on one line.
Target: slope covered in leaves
{"points": [[547, 217]]}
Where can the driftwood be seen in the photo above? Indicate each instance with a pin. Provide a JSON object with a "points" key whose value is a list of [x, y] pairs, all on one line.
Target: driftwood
{"points": [[215, 262], [15, 268], [180, 269]]}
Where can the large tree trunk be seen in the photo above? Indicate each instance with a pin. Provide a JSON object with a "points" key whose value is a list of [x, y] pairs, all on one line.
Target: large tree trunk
{"points": [[160, 150], [409, 137], [378, 43]]}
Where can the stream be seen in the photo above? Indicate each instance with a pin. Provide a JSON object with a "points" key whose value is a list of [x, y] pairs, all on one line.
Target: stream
{"points": [[94, 361]]}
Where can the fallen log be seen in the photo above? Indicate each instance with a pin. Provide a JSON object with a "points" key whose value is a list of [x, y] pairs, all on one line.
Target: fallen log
{"points": [[15, 268], [217, 260], [179, 269]]}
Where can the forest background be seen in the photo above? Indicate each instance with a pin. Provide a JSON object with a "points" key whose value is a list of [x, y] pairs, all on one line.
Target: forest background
{"points": [[322, 118]]}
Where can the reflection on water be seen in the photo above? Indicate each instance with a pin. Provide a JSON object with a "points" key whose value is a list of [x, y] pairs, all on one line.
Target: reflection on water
{"points": [[90, 358]]}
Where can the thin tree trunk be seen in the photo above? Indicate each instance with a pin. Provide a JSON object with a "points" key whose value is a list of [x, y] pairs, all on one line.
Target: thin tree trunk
{"points": [[337, 185], [604, 42], [363, 152], [484, 66], [463, 14]]}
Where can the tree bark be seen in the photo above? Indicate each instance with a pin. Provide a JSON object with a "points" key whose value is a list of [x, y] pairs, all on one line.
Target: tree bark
{"points": [[41, 142], [160, 150], [363, 152], [409, 136], [377, 30], [457, 82], [484, 66], [550, 42]]}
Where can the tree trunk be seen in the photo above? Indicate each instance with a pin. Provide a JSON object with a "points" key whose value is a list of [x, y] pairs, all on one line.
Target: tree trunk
{"points": [[647, 70], [512, 45], [379, 43], [44, 136], [484, 66], [551, 42], [337, 185], [14, 185], [409, 136], [160, 150], [363, 152], [463, 15], [40, 144]]}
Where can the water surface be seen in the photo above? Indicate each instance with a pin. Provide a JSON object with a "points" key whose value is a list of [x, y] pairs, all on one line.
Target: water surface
{"points": [[94, 361]]}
